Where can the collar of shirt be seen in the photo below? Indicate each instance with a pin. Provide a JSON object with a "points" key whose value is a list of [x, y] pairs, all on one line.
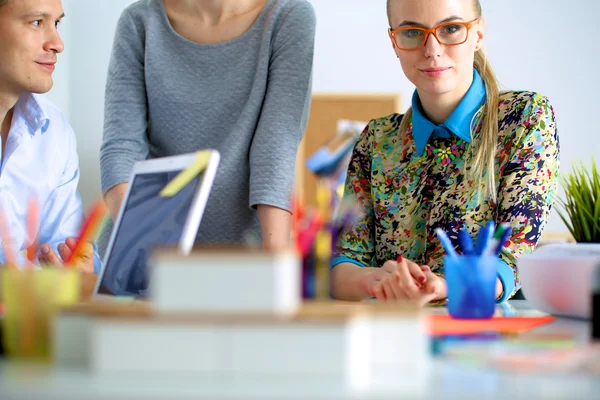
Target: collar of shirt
{"points": [[458, 123], [29, 113]]}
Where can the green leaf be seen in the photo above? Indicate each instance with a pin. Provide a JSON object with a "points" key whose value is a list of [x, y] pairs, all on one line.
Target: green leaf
{"points": [[580, 209], [567, 223]]}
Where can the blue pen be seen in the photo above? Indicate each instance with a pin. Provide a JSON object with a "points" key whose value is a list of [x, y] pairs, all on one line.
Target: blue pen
{"points": [[466, 243], [491, 246], [484, 237], [503, 240], [446, 243], [495, 245]]}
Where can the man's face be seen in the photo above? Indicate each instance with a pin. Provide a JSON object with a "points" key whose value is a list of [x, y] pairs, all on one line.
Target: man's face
{"points": [[29, 44]]}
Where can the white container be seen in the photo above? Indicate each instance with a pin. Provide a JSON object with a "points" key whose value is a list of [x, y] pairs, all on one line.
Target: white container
{"points": [[557, 278], [219, 280]]}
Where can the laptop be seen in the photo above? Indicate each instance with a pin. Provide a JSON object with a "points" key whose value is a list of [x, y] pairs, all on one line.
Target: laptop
{"points": [[150, 217]]}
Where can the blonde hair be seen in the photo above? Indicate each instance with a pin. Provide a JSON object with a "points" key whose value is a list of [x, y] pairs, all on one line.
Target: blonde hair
{"points": [[482, 151]]}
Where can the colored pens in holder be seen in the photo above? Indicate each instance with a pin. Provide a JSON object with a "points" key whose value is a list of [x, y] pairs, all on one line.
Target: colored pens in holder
{"points": [[32, 299], [471, 282]]}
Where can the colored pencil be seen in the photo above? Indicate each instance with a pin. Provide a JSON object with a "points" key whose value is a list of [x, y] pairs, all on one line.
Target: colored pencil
{"points": [[323, 242], [297, 216], [9, 253], [33, 220], [88, 230]]}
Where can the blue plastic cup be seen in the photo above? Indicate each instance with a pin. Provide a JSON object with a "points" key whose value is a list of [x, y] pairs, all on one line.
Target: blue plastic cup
{"points": [[471, 284]]}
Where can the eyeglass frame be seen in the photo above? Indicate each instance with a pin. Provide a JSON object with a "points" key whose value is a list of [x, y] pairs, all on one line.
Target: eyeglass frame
{"points": [[467, 24]]}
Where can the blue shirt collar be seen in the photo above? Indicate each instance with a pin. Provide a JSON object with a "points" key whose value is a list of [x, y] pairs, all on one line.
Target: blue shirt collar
{"points": [[29, 109], [458, 123]]}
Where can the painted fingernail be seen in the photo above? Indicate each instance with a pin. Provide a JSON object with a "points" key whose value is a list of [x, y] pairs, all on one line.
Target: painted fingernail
{"points": [[45, 250], [422, 279], [399, 259]]}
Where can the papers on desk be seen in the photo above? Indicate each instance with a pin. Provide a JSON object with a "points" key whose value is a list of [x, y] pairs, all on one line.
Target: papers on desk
{"points": [[536, 354], [446, 325], [576, 360]]}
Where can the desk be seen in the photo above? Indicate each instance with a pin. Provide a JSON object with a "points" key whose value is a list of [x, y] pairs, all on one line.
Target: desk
{"points": [[449, 380]]}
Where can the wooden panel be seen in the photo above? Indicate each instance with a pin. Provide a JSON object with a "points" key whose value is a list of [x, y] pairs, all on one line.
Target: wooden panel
{"points": [[326, 109]]}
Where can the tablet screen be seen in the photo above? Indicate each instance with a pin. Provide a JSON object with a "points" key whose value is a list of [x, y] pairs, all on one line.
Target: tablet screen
{"points": [[147, 221]]}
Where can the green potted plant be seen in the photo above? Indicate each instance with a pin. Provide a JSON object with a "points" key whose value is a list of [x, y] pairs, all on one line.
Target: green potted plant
{"points": [[580, 210]]}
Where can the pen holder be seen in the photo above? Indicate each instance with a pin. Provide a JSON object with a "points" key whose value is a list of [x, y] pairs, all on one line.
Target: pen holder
{"points": [[471, 282], [32, 299]]}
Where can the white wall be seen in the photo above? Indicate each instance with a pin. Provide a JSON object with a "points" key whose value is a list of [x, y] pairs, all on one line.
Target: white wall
{"points": [[541, 45], [88, 31]]}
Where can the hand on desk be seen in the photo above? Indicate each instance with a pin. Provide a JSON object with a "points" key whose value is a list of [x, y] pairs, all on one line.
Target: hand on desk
{"points": [[84, 261], [405, 280]]}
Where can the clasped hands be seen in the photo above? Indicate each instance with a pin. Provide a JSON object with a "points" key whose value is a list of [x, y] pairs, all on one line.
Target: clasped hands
{"points": [[404, 280]]}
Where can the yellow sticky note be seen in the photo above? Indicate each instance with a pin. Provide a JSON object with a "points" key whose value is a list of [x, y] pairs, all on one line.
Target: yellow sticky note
{"points": [[186, 176]]}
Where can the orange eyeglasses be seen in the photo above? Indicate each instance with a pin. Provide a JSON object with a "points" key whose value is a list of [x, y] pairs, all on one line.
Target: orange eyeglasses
{"points": [[449, 34]]}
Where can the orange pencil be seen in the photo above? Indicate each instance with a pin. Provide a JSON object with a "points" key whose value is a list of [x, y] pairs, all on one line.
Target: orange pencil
{"points": [[9, 253], [88, 230], [33, 220], [298, 215]]}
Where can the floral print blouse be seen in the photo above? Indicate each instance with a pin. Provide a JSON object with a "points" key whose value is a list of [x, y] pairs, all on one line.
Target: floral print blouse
{"points": [[405, 196]]}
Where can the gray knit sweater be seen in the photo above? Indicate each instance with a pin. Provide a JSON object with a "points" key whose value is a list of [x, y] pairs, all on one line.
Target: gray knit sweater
{"points": [[248, 98]]}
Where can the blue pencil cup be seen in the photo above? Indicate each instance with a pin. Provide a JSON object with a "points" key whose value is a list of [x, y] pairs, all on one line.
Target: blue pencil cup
{"points": [[471, 284]]}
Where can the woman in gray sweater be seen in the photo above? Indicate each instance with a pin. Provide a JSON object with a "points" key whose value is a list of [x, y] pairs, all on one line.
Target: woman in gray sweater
{"points": [[233, 75]]}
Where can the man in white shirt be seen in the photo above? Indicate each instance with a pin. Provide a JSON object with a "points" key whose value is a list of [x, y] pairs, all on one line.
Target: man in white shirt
{"points": [[38, 150]]}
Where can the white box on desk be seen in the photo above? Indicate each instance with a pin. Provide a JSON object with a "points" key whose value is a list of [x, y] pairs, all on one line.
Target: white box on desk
{"points": [[226, 280], [364, 351], [71, 339], [71, 330]]}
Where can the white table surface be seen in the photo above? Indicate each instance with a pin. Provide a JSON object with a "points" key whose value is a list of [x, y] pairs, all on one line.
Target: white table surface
{"points": [[448, 380]]}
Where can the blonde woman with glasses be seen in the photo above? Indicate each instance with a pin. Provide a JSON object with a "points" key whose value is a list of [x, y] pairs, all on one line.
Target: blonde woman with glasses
{"points": [[463, 154]]}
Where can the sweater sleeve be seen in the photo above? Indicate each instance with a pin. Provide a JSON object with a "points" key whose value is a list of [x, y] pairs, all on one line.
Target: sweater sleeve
{"points": [[528, 186], [125, 138], [284, 114]]}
